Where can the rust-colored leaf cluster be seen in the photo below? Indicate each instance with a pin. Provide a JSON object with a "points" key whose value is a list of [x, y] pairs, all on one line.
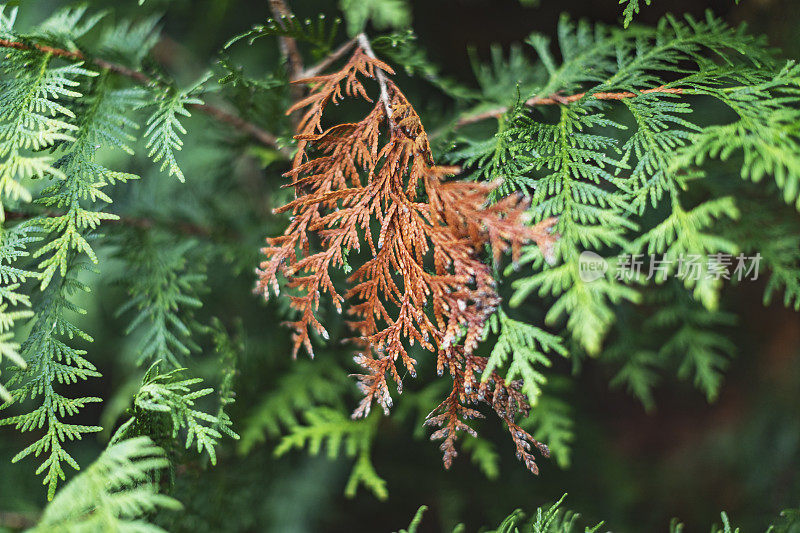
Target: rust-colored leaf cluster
{"points": [[374, 184]]}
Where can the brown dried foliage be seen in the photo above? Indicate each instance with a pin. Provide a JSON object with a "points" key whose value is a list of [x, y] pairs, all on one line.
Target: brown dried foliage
{"points": [[374, 182]]}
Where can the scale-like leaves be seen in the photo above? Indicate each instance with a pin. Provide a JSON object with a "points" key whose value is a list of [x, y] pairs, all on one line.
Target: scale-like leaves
{"points": [[319, 32], [164, 128], [14, 304], [52, 364], [767, 132], [306, 386], [576, 169], [32, 119], [382, 13], [526, 346], [163, 289], [84, 178], [672, 333], [551, 421], [170, 397], [76, 112], [332, 429], [686, 247], [115, 493], [577, 187]]}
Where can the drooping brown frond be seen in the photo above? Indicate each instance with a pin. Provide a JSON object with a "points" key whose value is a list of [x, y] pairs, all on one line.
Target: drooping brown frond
{"points": [[506, 399], [375, 183]]}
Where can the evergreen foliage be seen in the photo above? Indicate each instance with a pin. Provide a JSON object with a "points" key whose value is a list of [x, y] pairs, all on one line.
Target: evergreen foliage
{"points": [[51, 364], [681, 335], [33, 118], [307, 386], [557, 519], [164, 129], [673, 148], [165, 405], [632, 8], [335, 431], [526, 346], [602, 190], [96, 114], [162, 290], [115, 493], [14, 305], [552, 421], [382, 13], [319, 32]]}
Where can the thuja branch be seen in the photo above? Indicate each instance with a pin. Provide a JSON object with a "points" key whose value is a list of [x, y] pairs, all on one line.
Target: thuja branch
{"points": [[218, 114], [557, 99], [421, 277], [140, 77], [185, 228]]}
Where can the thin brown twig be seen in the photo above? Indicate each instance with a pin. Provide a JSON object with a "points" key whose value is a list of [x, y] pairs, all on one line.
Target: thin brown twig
{"points": [[241, 124], [328, 61], [217, 113], [556, 99], [291, 53], [288, 45], [363, 42], [76, 55]]}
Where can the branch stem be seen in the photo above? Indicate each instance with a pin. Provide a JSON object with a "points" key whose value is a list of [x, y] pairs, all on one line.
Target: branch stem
{"points": [[556, 99], [363, 42], [290, 53], [289, 50], [214, 112], [328, 61]]}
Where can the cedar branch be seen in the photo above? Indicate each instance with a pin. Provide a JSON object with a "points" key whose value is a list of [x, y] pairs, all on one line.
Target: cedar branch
{"points": [[427, 282], [214, 112], [557, 99]]}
